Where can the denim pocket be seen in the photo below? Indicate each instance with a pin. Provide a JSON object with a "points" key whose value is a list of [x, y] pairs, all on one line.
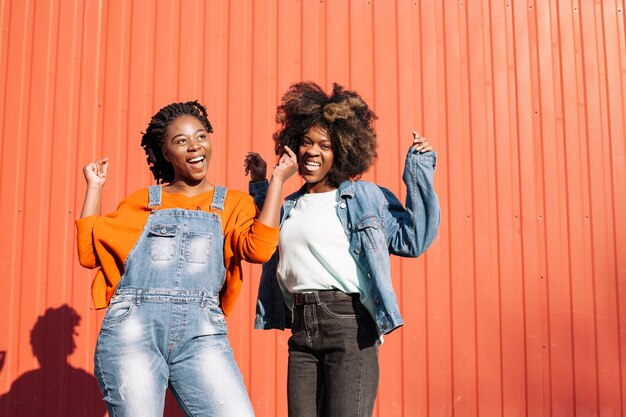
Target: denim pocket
{"points": [[118, 311], [197, 247], [371, 234], [216, 315], [341, 310], [162, 241]]}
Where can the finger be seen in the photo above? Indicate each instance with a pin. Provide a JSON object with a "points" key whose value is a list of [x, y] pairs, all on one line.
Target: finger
{"points": [[417, 138], [285, 159], [102, 165], [292, 155], [423, 147], [102, 169], [289, 152]]}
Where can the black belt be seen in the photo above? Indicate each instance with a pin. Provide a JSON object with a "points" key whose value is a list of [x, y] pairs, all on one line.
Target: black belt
{"points": [[317, 297]]}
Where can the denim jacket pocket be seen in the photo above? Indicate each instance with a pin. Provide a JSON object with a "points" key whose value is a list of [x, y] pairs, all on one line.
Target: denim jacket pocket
{"points": [[371, 234], [162, 238]]}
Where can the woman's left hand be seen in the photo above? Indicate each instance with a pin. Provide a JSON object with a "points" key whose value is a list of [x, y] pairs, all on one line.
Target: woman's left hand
{"points": [[420, 143], [287, 165]]}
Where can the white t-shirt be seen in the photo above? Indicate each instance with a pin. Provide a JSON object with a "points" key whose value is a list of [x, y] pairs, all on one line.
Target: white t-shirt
{"points": [[315, 252]]}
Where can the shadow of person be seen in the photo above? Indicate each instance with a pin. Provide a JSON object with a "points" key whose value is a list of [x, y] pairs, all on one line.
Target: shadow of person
{"points": [[57, 388]]}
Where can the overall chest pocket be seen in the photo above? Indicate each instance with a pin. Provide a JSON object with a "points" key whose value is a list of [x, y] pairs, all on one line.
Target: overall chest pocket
{"points": [[162, 241], [198, 247]]}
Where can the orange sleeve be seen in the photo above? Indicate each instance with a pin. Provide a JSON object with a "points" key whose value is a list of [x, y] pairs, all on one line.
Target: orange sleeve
{"points": [[245, 238], [248, 238], [84, 239], [105, 242]]}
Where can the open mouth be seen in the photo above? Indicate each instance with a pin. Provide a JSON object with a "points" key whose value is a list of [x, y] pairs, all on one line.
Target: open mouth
{"points": [[311, 166], [197, 160]]}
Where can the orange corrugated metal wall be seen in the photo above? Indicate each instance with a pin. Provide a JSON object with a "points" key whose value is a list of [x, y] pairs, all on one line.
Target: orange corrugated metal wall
{"points": [[518, 308]]}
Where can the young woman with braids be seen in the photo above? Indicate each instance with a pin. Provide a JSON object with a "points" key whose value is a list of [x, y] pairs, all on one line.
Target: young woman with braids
{"points": [[170, 269], [330, 280]]}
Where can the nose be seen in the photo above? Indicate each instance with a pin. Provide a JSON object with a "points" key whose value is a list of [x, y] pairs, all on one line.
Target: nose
{"points": [[193, 145], [313, 150]]}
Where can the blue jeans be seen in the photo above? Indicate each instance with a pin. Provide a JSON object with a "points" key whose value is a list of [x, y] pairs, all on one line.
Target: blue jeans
{"points": [[139, 354], [333, 357]]}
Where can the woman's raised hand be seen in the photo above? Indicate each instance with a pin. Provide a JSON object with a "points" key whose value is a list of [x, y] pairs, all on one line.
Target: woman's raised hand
{"points": [[420, 143], [96, 172], [256, 166], [287, 165]]}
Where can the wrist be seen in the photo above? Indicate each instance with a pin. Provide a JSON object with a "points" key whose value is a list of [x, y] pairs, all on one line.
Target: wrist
{"points": [[277, 179], [95, 187]]}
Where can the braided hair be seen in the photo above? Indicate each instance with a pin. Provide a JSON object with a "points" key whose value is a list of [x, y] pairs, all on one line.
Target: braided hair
{"points": [[345, 116], [153, 139]]}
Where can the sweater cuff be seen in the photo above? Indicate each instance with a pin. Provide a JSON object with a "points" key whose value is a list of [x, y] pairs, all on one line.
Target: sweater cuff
{"points": [[265, 232], [86, 222]]}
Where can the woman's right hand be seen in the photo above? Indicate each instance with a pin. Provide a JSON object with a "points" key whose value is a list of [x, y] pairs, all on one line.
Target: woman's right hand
{"points": [[96, 172], [96, 175], [286, 166]]}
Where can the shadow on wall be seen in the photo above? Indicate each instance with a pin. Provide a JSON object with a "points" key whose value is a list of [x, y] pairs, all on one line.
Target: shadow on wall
{"points": [[56, 388]]}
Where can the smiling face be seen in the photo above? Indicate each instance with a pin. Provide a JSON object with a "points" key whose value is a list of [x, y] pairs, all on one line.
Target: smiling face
{"points": [[315, 159], [187, 146]]}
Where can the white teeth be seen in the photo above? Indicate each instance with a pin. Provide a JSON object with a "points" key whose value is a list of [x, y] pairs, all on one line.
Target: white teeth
{"points": [[311, 166], [198, 159]]}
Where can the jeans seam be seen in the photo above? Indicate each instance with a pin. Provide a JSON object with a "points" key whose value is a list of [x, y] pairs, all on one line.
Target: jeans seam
{"points": [[314, 321], [104, 383], [335, 315], [182, 400]]}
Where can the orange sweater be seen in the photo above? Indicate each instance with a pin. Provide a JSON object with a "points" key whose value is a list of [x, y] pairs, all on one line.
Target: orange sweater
{"points": [[105, 241]]}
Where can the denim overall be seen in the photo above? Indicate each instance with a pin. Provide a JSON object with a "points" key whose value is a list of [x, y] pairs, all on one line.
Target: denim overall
{"points": [[164, 325]]}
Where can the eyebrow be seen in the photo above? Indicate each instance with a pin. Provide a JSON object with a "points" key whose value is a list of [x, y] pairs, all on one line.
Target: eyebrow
{"points": [[182, 134], [307, 136]]}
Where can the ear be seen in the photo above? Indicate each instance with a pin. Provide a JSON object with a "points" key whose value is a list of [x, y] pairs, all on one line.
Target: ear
{"points": [[165, 154]]}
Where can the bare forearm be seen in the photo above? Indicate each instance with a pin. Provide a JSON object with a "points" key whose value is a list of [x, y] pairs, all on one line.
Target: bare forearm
{"points": [[93, 201], [270, 214]]}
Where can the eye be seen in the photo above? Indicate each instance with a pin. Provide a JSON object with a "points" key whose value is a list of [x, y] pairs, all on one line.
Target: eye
{"points": [[326, 146], [202, 138], [305, 142], [180, 141]]}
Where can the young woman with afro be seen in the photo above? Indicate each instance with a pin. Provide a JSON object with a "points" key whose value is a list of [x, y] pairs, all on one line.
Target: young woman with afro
{"points": [[330, 280], [170, 269]]}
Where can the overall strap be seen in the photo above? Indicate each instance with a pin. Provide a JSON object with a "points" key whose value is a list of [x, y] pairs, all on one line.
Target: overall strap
{"points": [[218, 198], [154, 194]]}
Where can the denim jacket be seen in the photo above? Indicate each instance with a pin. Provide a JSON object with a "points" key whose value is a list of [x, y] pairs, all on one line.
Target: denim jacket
{"points": [[376, 225]]}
